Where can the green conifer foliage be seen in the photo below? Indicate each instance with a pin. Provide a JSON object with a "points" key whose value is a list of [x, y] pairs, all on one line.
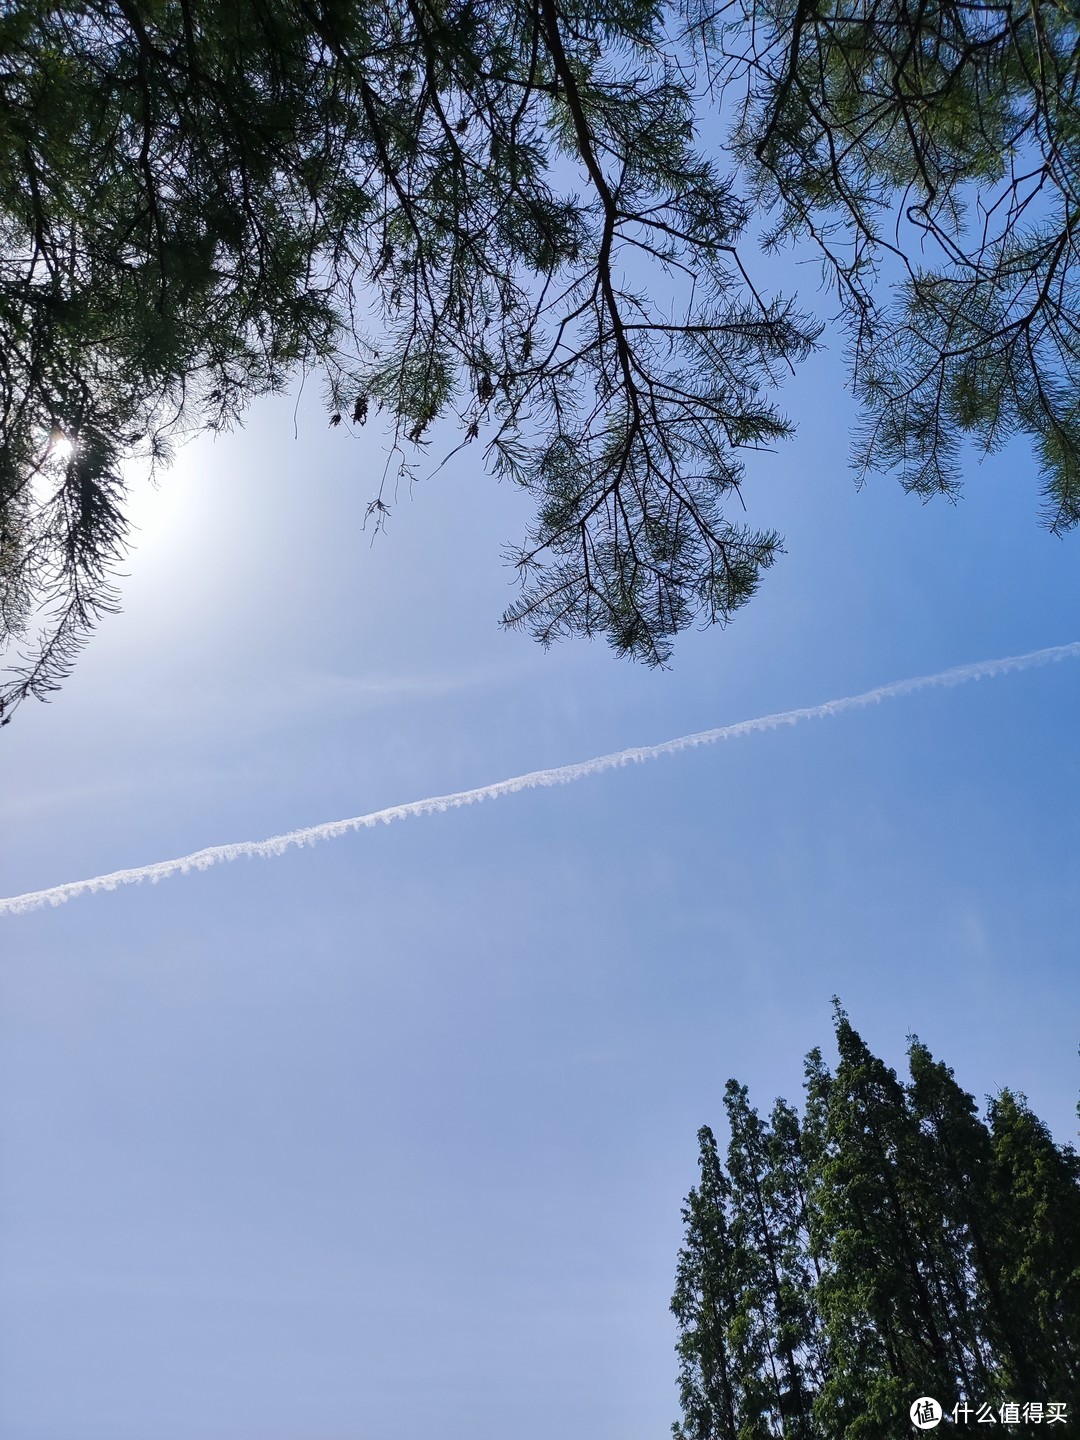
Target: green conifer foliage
{"points": [[718, 1382], [889, 1245], [486, 208], [1036, 1192], [500, 212]]}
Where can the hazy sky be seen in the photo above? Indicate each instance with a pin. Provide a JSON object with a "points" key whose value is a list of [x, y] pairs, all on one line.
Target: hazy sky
{"points": [[387, 1139]]}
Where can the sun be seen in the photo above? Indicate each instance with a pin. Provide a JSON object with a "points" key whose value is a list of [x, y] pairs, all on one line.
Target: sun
{"points": [[61, 446]]}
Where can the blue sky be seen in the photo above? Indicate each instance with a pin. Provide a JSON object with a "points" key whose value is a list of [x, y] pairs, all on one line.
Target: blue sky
{"points": [[389, 1137]]}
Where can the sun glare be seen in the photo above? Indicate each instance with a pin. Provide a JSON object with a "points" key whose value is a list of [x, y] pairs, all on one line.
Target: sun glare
{"points": [[61, 448]]}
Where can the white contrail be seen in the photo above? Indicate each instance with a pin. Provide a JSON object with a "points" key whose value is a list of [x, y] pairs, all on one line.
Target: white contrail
{"points": [[560, 775]]}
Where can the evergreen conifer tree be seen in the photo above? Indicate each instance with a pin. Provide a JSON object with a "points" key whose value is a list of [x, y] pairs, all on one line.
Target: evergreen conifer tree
{"points": [[889, 1245], [719, 1386]]}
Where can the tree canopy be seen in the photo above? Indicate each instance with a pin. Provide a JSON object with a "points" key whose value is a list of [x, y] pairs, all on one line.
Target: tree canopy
{"points": [[504, 212], [888, 1245]]}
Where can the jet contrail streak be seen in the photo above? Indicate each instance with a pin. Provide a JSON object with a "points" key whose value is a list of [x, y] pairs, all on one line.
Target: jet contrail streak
{"points": [[560, 775]]}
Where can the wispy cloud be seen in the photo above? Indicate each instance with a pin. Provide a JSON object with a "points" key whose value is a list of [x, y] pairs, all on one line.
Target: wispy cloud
{"points": [[319, 691], [260, 703], [534, 780]]}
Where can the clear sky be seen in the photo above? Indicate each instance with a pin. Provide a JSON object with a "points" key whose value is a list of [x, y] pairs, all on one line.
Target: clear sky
{"points": [[388, 1138]]}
